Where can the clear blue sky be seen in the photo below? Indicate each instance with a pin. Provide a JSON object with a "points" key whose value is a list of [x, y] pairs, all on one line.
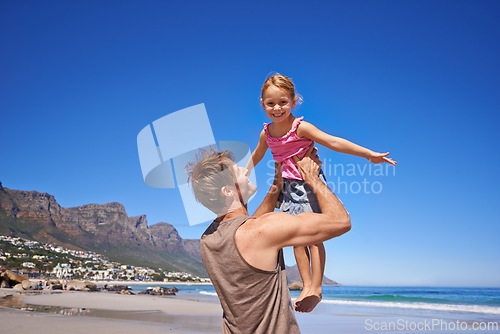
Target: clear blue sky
{"points": [[80, 79]]}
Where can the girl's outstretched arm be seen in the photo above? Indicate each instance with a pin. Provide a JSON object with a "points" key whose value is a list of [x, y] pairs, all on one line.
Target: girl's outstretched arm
{"points": [[308, 130], [259, 152]]}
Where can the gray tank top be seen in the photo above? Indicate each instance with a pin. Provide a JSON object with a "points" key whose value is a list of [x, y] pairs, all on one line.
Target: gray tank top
{"points": [[253, 300]]}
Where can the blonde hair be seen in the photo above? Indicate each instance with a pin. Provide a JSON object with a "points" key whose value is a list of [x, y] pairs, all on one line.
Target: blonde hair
{"points": [[208, 174], [284, 83]]}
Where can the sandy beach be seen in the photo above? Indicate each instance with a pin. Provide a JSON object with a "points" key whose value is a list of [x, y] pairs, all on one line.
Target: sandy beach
{"points": [[55, 312], [103, 312], [62, 312]]}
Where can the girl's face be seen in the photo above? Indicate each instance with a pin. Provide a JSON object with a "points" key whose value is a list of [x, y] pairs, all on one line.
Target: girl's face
{"points": [[277, 103]]}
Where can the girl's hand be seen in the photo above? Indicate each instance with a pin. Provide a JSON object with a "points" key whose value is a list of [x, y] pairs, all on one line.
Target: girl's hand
{"points": [[377, 158]]}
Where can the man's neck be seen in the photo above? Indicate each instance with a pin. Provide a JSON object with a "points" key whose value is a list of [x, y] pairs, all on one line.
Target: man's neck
{"points": [[238, 212]]}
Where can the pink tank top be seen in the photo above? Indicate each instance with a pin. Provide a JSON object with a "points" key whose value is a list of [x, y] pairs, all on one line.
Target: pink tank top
{"points": [[284, 148]]}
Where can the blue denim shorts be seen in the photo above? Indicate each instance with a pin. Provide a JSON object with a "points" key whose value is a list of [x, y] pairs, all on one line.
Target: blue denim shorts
{"points": [[297, 197]]}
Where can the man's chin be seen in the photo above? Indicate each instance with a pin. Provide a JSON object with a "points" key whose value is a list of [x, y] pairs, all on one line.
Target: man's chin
{"points": [[248, 195]]}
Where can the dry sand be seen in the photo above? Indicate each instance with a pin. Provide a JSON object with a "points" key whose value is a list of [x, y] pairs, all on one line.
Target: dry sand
{"points": [[105, 312]]}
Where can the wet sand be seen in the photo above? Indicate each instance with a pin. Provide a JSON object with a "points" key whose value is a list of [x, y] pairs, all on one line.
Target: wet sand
{"points": [[112, 301]]}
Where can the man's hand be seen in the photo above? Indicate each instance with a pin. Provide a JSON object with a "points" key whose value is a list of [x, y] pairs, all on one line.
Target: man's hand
{"points": [[310, 165], [271, 198], [278, 173], [278, 177], [377, 158]]}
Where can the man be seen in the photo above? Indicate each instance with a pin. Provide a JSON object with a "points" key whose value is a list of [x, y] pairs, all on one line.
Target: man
{"points": [[243, 255]]}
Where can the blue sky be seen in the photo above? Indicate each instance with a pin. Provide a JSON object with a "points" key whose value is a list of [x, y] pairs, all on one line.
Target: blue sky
{"points": [[80, 79]]}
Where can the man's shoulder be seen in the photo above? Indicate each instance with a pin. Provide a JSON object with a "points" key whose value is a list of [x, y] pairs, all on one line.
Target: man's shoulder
{"points": [[270, 216], [264, 220], [218, 224]]}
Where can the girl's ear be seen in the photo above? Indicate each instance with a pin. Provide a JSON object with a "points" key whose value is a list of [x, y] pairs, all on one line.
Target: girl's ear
{"points": [[294, 101], [262, 102]]}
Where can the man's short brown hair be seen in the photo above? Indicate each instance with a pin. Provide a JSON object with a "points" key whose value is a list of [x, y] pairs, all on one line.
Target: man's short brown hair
{"points": [[208, 174]]}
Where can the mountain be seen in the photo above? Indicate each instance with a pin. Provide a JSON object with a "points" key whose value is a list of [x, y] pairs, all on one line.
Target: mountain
{"points": [[293, 275], [101, 228]]}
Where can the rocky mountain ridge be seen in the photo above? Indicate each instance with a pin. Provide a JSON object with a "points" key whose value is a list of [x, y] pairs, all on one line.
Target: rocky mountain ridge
{"points": [[102, 228]]}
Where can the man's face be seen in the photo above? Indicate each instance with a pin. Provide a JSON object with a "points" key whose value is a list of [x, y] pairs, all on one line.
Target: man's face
{"points": [[247, 188]]}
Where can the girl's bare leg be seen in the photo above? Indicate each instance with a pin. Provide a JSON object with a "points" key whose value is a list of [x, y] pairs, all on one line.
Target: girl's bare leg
{"points": [[303, 264], [314, 294]]}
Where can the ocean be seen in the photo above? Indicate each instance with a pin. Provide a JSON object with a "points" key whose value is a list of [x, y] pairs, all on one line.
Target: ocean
{"points": [[376, 309]]}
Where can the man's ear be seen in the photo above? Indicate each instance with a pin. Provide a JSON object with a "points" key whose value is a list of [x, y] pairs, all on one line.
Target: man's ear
{"points": [[226, 191]]}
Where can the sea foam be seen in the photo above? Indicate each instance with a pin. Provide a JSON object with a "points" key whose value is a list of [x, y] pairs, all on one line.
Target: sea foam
{"points": [[208, 293], [420, 306]]}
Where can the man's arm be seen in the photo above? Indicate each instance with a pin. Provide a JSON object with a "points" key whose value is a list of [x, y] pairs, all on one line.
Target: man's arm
{"points": [[260, 239], [310, 228], [271, 198]]}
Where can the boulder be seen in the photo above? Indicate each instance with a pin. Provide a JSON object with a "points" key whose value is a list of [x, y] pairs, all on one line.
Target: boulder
{"points": [[81, 286], [117, 288], [18, 287], [12, 279], [126, 292], [160, 291], [53, 286], [29, 285]]}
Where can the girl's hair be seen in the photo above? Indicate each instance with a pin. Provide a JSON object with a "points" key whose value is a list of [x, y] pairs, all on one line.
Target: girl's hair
{"points": [[282, 82]]}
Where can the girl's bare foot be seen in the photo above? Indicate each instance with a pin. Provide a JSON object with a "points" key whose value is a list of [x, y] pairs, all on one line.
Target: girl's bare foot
{"points": [[303, 294], [309, 302]]}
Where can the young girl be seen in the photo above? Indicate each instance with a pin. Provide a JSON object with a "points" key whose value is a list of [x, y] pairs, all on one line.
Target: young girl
{"points": [[289, 136]]}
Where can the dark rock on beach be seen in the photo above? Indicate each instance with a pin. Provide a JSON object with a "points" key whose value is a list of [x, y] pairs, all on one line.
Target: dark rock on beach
{"points": [[116, 288], [159, 291], [9, 279]]}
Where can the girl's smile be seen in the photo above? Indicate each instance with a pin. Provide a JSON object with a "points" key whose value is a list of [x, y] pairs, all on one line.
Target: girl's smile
{"points": [[277, 103]]}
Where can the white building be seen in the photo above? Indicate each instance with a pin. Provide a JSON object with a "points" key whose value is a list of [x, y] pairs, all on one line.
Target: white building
{"points": [[62, 270], [30, 265]]}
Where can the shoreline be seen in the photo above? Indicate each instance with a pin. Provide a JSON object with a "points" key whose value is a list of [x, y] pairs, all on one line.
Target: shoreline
{"points": [[152, 283]]}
